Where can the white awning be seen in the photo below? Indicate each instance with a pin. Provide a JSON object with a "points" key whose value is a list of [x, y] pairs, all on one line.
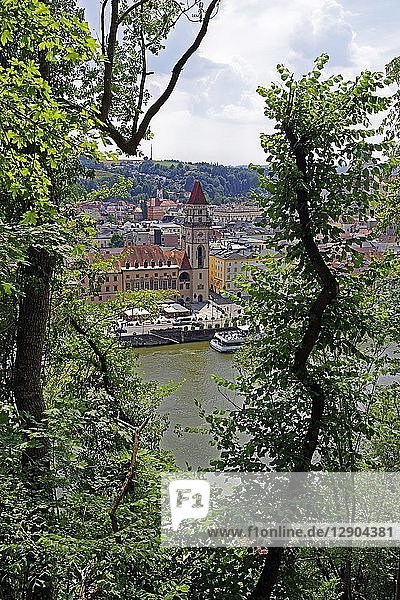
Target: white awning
{"points": [[136, 312]]}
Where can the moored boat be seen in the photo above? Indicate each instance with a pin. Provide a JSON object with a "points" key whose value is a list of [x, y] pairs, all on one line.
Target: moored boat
{"points": [[227, 341]]}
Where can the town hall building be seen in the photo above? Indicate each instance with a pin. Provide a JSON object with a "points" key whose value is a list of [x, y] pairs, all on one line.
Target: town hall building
{"points": [[183, 271]]}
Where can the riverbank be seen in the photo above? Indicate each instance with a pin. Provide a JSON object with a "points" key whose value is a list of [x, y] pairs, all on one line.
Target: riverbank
{"points": [[177, 335]]}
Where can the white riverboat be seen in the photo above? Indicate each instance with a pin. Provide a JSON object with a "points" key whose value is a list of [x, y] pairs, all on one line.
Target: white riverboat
{"points": [[227, 341]]}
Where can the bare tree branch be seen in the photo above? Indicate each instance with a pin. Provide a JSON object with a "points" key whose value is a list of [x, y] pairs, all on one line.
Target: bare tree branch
{"points": [[130, 145], [109, 63], [176, 71], [143, 75], [127, 481], [103, 26], [101, 357]]}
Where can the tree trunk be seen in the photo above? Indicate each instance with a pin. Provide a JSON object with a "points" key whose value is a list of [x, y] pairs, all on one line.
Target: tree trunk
{"points": [[27, 388], [397, 591], [269, 575], [347, 583], [31, 333]]}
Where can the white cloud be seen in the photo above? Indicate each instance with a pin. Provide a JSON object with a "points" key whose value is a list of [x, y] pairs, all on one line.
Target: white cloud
{"points": [[215, 113], [325, 29]]}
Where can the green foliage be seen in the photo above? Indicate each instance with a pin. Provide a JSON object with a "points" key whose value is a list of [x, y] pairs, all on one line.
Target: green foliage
{"points": [[40, 142], [344, 168], [332, 118], [117, 240], [221, 183]]}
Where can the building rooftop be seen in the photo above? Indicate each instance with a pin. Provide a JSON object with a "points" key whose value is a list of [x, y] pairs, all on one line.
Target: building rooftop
{"points": [[230, 254], [197, 196], [160, 256]]}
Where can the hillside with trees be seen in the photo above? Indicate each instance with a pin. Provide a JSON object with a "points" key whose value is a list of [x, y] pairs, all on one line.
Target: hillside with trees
{"points": [[221, 183]]}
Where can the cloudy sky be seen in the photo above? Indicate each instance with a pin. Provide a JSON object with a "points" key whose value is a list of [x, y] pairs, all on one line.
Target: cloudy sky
{"points": [[215, 114]]}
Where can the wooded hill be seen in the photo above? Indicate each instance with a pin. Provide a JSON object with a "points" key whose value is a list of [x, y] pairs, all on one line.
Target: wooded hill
{"points": [[221, 183]]}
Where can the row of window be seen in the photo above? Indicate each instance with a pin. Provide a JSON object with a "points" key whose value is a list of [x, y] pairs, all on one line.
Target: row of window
{"points": [[152, 274], [220, 269], [146, 264], [165, 284]]}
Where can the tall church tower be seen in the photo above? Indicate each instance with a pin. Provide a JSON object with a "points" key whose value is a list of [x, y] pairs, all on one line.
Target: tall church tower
{"points": [[196, 242]]}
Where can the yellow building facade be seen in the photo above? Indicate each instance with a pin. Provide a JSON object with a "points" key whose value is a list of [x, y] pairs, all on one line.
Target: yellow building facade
{"points": [[225, 266]]}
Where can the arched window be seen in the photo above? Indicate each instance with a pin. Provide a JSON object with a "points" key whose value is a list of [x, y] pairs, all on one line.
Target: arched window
{"points": [[160, 263], [127, 265], [184, 277], [168, 263], [200, 257], [153, 263], [136, 264], [145, 264]]}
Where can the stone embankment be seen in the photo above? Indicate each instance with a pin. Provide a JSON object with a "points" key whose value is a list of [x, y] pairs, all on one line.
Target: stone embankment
{"points": [[163, 337]]}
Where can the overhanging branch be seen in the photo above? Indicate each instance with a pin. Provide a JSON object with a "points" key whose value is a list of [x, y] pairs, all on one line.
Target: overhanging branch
{"points": [[130, 145]]}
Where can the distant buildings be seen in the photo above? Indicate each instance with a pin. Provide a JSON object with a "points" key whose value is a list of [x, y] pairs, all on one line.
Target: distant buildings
{"points": [[158, 233], [199, 247], [183, 271], [233, 213], [157, 207]]}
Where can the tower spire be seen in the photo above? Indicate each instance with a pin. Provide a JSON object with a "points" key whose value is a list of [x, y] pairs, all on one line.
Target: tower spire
{"points": [[197, 196]]}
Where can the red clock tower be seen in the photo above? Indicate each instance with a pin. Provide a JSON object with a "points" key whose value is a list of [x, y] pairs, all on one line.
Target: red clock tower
{"points": [[196, 242]]}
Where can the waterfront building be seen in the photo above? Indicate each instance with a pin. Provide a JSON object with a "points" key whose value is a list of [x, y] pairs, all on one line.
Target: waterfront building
{"points": [[183, 271], [226, 265], [146, 267]]}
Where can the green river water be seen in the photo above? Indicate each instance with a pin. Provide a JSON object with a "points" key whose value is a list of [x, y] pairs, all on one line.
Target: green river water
{"points": [[193, 365]]}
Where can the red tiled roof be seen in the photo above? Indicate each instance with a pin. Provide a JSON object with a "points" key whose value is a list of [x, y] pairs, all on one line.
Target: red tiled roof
{"points": [[197, 196], [182, 259], [152, 252]]}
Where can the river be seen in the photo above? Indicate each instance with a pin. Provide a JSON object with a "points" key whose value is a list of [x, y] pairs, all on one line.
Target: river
{"points": [[193, 365]]}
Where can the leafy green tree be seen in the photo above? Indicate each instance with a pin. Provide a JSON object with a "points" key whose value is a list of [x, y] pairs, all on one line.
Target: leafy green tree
{"points": [[40, 146], [320, 326], [43, 47], [117, 240]]}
